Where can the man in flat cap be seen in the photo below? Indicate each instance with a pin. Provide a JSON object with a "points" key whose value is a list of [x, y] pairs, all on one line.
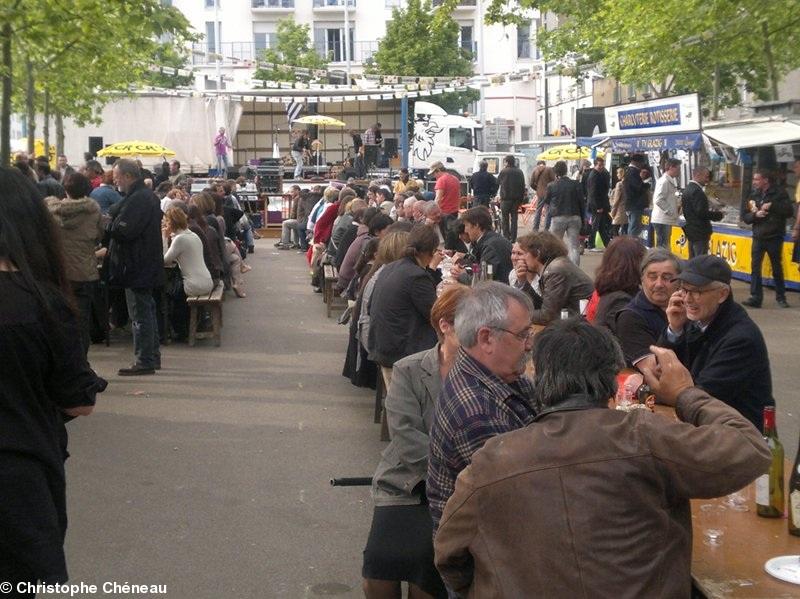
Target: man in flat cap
{"points": [[716, 340]]}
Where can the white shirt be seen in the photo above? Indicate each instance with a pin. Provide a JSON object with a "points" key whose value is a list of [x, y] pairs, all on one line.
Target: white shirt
{"points": [[186, 250]]}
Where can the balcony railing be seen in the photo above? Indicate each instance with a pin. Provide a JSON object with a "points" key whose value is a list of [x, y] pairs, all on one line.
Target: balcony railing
{"points": [[272, 3], [333, 3], [362, 51]]}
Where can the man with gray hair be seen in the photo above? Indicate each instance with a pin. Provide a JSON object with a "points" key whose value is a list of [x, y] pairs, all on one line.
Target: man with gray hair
{"points": [[136, 262], [486, 392], [641, 322]]}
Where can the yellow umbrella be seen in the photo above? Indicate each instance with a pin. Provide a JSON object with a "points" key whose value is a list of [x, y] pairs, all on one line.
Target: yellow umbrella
{"points": [[320, 119], [567, 152], [135, 148], [21, 145]]}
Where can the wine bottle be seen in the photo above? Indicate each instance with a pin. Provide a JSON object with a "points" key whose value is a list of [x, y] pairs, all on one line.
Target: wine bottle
{"points": [[769, 486], [794, 498]]}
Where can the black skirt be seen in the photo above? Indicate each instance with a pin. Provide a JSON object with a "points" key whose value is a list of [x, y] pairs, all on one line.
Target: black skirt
{"points": [[400, 547]]}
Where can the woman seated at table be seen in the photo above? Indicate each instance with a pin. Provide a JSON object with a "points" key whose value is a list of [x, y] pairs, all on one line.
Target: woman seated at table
{"points": [[616, 281], [185, 250], [561, 282], [400, 546]]}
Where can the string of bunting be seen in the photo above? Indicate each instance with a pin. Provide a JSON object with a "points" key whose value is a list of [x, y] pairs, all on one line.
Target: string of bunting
{"points": [[188, 93]]}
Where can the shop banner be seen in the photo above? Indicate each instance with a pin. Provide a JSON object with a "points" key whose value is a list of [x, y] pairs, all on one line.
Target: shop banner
{"points": [[734, 245], [676, 114], [691, 142]]}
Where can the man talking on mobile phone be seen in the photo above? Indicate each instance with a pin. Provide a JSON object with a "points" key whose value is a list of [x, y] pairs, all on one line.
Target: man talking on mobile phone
{"points": [[716, 340]]}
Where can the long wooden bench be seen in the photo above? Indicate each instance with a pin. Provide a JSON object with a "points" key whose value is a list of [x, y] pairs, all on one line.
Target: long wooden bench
{"points": [[329, 293], [213, 301]]}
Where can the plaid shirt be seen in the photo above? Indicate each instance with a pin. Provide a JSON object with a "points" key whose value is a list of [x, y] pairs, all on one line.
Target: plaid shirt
{"points": [[474, 405], [369, 137]]}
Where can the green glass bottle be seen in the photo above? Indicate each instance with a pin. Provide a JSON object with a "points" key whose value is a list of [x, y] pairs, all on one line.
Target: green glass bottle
{"points": [[769, 486], [794, 498]]}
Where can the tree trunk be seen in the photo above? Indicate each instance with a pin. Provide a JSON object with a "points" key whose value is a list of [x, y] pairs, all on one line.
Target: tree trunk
{"points": [[30, 109], [5, 109], [773, 78], [46, 126], [59, 133], [715, 96]]}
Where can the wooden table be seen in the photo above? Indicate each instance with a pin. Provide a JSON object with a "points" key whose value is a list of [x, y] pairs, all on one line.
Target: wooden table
{"points": [[736, 568]]}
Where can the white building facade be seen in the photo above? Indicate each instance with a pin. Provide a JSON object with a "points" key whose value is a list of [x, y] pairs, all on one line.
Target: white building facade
{"points": [[239, 29]]}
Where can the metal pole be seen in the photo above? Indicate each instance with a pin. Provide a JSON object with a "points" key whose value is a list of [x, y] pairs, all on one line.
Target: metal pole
{"points": [[404, 131], [347, 56], [482, 108], [218, 44]]}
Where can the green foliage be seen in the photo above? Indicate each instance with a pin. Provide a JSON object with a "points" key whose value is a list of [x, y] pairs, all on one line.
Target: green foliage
{"points": [[167, 55], [673, 46], [424, 43], [292, 48], [82, 51]]}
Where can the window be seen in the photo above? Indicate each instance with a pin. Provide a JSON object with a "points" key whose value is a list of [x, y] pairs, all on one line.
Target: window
{"points": [[524, 41], [211, 37], [262, 41], [329, 43], [465, 39], [394, 4], [210, 3], [525, 133], [273, 3], [461, 138]]}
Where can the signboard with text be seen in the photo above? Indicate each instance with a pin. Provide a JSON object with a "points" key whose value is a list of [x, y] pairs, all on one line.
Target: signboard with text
{"points": [[676, 114]]}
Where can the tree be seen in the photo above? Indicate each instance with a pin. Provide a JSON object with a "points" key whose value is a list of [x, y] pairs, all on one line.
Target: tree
{"points": [[292, 48], [673, 46], [171, 56], [70, 59], [424, 43]]}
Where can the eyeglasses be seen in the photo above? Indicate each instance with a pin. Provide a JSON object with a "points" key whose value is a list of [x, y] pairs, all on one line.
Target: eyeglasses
{"points": [[523, 336], [696, 293]]}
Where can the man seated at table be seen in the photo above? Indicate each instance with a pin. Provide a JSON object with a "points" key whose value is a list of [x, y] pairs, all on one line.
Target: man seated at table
{"points": [[641, 322], [486, 392], [717, 341], [489, 247], [589, 501]]}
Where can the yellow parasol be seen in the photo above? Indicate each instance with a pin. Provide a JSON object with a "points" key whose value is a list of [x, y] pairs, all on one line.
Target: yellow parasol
{"points": [[567, 152], [135, 148], [319, 119]]}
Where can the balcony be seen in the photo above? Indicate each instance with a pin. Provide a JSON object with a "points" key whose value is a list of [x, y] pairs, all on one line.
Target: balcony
{"points": [[272, 5], [462, 5], [362, 52], [332, 5]]}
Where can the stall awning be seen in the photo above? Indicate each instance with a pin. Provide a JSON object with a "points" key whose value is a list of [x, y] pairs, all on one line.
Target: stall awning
{"points": [[754, 134]]}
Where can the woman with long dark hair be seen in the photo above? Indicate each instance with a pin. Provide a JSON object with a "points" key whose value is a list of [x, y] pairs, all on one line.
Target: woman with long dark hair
{"points": [[44, 381], [616, 281]]}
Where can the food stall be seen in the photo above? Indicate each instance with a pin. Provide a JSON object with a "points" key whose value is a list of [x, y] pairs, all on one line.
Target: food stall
{"points": [[739, 147]]}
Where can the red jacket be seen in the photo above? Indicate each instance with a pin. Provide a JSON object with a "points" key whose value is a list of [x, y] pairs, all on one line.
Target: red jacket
{"points": [[324, 226]]}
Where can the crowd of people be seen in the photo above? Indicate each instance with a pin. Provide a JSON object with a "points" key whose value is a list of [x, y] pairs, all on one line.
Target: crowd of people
{"points": [[475, 337], [498, 353]]}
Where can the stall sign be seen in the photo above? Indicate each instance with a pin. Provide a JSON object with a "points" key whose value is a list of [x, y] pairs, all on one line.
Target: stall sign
{"points": [[734, 245], [690, 142], [676, 114]]}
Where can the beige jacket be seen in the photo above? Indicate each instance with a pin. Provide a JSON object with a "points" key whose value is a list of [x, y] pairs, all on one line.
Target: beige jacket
{"points": [[592, 502], [618, 216], [82, 228]]}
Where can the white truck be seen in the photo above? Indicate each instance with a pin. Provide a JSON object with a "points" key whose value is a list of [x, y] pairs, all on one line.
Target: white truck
{"points": [[451, 139]]}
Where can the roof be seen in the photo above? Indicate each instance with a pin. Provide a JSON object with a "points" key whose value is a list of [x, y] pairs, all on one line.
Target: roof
{"points": [[754, 132]]}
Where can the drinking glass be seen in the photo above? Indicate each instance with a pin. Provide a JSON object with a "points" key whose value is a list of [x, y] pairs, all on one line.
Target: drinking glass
{"points": [[712, 519], [739, 501]]}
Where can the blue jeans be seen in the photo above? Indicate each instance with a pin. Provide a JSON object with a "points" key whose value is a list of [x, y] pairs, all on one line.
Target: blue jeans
{"points": [[298, 164], [301, 234], [663, 234], [537, 218], [222, 163], [635, 223], [142, 311]]}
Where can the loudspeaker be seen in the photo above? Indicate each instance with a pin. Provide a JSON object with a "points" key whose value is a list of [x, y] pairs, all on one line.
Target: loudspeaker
{"points": [[390, 146], [95, 145], [371, 155]]}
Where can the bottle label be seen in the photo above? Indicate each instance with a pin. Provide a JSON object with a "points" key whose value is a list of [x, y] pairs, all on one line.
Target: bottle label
{"points": [[794, 506], [762, 489]]}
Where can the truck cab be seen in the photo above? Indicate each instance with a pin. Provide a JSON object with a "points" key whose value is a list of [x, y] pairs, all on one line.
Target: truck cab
{"points": [[452, 139]]}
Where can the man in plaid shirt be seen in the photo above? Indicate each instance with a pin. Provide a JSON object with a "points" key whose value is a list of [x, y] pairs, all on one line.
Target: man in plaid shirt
{"points": [[486, 392]]}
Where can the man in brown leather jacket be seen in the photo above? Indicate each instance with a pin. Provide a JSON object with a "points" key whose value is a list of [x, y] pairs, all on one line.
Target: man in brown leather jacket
{"points": [[589, 501]]}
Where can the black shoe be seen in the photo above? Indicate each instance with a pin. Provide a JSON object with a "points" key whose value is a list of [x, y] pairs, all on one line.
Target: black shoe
{"points": [[251, 249], [157, 366], [135, 370], [752, 302], [782, 303]]}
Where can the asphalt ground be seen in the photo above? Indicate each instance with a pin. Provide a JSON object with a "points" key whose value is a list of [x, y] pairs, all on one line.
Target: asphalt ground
{"points": [[211, 477]]}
